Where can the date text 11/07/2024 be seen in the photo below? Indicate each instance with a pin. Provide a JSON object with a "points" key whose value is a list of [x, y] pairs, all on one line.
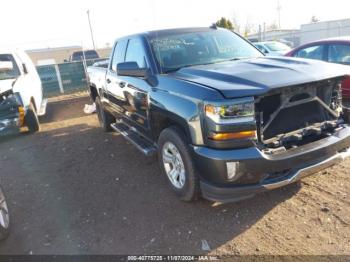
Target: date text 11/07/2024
{"points": [[172, 258]]}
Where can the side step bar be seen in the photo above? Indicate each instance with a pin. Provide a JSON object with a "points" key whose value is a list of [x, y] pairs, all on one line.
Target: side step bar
{"points": [[133, 137]]}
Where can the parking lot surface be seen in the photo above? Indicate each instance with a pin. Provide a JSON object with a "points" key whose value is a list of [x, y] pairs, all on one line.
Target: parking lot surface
{"points": [[73, 189]]}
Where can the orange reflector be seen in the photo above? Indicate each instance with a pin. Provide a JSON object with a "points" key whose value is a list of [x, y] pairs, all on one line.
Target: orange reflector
{"points": [[21, 115], [209, 109], [229, 136]]}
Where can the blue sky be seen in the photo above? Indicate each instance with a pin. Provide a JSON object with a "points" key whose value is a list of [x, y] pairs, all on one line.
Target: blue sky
{"points": [[49, 23]]}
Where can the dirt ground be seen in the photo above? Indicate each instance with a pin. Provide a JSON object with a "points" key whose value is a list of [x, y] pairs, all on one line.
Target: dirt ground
{"points": [[73, 189]]}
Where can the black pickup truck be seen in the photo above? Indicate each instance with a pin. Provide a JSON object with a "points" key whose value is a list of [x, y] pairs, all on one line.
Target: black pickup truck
{"points": [[226, 121]]}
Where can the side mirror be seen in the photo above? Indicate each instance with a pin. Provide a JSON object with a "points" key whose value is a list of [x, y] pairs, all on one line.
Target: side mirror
{"points": [[132, 69], [6, 66], [25, 70]]}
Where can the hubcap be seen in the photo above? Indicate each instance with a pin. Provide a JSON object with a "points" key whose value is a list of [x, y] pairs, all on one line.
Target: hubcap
{"points": [[4, 213], [174, 166]]}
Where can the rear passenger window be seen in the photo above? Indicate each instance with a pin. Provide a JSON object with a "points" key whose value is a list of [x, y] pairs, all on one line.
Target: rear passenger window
{"points": [[339, 53], [118, 54], [136, 53]]}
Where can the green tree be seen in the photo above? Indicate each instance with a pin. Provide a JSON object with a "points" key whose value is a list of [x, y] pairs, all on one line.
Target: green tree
{"points": [[225, 23]]}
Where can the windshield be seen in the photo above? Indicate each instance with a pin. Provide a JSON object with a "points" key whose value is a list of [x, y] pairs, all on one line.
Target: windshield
{"points": [[9, 74], [78, 56], [182, 50], [277, 46]]}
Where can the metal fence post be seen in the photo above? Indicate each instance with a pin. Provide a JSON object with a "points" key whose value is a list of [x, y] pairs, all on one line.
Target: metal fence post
{"points": [[59, 79]]}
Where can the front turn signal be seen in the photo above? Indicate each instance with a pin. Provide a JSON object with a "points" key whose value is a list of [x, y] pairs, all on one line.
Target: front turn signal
{"points": [[231, 136]]}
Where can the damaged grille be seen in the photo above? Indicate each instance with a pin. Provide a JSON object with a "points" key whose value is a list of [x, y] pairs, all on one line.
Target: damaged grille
{"points": [[298, 113]]}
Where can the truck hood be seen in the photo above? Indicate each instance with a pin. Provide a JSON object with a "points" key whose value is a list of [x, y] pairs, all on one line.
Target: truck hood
{"points": [[6, 85], [257, 76]]}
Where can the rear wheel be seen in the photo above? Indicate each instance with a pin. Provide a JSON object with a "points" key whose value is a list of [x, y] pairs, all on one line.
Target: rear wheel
{"points": [[176, 162], [104, 117], [4, 217], [31, 119]]}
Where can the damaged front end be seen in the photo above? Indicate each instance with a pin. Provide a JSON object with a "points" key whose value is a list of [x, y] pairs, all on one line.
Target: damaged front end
{"points": [[292, 116], [11, 112]]}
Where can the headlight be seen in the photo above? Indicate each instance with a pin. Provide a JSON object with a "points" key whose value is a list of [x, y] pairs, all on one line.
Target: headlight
{"points": [[240, 110]]}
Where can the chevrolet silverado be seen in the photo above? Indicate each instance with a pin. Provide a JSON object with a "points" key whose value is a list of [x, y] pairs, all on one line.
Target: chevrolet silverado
{"points": [[225, 121]]}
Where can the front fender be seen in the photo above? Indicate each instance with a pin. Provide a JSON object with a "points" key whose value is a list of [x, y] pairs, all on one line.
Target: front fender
{"points": [[181, 110]]}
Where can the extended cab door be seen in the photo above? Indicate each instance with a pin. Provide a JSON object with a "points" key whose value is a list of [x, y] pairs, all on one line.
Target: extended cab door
{"points": [[113, 83], [129, 95], [136, 89]]}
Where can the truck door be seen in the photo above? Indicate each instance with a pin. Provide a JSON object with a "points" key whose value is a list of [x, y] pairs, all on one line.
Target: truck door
{"points": [[115, 93], [128, 95], [136, 90]]}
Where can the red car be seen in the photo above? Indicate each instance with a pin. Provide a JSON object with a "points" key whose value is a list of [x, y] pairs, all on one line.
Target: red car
{"points": [[335, 50]]}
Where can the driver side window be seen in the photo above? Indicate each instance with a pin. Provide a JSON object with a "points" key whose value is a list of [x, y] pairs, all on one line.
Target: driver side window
{"points": [[118, 54], [339, 53], [312, 52], [136, 53]]}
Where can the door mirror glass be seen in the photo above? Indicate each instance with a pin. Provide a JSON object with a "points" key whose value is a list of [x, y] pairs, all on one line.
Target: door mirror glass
{"points": [[131, 69], [6, 66]]}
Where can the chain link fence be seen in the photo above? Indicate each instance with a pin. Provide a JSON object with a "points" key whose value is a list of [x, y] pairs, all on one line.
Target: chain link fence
{"points": [[64, 78]]}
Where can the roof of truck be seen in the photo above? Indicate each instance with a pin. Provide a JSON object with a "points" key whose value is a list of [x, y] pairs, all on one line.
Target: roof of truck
{"points": [[165, 32]]}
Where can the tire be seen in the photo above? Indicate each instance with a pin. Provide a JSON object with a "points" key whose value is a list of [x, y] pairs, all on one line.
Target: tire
{"points": [[105, 118], [31, 120], [187, 187], [4, 217]]}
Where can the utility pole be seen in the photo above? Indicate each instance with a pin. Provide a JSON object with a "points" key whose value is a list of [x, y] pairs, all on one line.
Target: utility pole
{"points": [[91, 32], [279, 8]]}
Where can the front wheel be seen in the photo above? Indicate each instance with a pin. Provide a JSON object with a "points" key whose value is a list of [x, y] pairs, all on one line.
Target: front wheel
{"points": [[31, 120], [4, 217], [176, 163]]}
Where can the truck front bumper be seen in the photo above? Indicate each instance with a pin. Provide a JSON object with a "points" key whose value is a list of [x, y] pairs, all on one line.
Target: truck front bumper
{"points": [[11, 114], [233, 175]]}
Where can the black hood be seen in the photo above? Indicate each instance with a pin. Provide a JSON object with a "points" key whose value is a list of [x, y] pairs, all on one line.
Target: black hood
{"points": [[257, 76]]}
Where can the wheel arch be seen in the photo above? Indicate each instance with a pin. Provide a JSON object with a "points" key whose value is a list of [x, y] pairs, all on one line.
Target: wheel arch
{"points": [[161, 120], [93, 92], [32, 100]]}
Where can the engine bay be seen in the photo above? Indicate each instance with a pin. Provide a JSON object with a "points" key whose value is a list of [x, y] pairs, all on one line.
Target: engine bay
{"points": [[292, 116]]}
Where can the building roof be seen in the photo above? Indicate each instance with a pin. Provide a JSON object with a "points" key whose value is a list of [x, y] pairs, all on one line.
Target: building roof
{"points": [[53, 49]]}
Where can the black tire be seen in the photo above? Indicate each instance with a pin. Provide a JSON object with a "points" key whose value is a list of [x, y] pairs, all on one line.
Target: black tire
{"points": [[104, 117], [4, 231], [31, 119], [190, 190]]}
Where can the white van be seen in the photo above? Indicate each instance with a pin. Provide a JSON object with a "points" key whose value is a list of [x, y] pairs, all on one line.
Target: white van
{"points": [[21, 95]]}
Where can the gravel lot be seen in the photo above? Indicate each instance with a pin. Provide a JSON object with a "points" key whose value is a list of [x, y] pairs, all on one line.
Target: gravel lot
{"points": [[73, 189]]}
